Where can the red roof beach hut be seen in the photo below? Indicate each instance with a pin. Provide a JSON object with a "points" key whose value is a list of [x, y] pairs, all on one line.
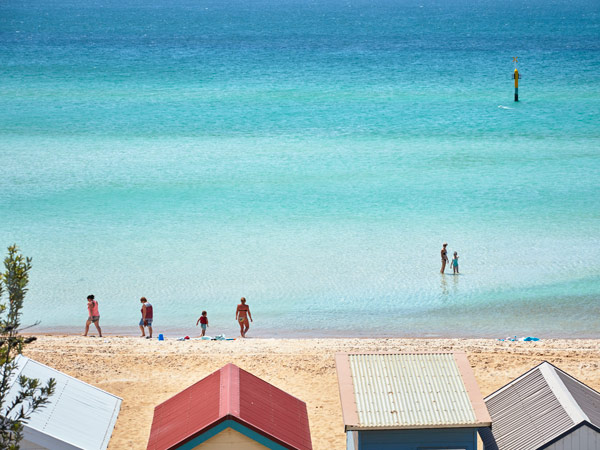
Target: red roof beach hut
{"points": [[231, 408]]}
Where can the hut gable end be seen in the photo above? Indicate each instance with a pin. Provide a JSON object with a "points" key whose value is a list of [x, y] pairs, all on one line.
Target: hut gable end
{"points": [[230, 399]]}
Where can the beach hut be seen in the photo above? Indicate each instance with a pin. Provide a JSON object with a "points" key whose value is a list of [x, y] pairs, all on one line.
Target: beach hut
{"points": [[231, 409], [544, 408], [78, 415], [410, 401]]}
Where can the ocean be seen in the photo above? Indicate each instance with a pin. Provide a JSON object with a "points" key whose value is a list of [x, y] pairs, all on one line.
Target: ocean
{"points": [[310, 155]]}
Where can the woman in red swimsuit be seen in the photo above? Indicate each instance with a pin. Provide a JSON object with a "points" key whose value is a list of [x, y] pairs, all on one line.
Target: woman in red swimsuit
{"points": [[242, 313], [93, 315]]}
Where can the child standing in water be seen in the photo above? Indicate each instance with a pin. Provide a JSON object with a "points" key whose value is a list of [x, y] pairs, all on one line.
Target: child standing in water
{"points": [[455, 263], [203, 320]]}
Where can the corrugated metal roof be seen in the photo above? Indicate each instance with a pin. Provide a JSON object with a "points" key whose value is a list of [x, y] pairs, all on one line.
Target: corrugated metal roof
{"points": [[587, 398], [527, 415], [231, 393], [78, 415], [187, 412], [538, 407], [418, 390], [274, 411]]}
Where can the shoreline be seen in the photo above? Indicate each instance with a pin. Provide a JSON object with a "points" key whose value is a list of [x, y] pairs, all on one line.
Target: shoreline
{"points": [[130, 368], [174, 333]]}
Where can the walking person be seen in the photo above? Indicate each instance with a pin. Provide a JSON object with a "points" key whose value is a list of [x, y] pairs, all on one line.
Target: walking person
{"points": [[242, 313], [203, 321], [147, 316], [444, 253], [93, 315]]}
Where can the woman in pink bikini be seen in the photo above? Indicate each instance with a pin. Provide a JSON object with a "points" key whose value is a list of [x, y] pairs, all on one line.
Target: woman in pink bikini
{"points": [[242, 313], [93, 315]]}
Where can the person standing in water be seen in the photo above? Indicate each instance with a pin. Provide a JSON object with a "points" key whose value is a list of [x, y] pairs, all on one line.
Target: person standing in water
{"points": [[93, 315], [242, 313], [444, 257], [147, 317], [455, 263]]}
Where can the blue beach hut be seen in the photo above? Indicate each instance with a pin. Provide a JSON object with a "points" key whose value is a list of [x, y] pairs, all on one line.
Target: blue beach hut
{"points": [[410, 401]]}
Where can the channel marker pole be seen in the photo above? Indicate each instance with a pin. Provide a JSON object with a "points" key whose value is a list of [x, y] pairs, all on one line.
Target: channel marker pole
{"points": [[516, 78]]}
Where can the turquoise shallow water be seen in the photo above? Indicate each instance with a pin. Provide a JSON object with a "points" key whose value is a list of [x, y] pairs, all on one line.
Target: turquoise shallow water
{"points": [[311, 156]]}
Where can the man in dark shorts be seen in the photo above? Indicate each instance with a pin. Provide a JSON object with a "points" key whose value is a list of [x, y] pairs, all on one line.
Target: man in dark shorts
{"points": [[444, 257], [147, 316], [242, 313]]}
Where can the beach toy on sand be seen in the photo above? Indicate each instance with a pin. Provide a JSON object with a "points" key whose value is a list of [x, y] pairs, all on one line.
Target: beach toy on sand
{"points": [[161, 337]]}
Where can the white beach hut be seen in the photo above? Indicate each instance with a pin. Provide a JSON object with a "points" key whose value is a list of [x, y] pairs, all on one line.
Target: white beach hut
{"points": [[78, 416]]}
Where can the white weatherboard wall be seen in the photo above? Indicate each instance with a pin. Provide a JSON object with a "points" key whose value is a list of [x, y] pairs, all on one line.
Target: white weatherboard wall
{"points": [[78, 416], [583, 438], [351, 440]]}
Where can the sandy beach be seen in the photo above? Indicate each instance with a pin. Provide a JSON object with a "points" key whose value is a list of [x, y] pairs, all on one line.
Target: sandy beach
{"points": [[145, 373]]}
